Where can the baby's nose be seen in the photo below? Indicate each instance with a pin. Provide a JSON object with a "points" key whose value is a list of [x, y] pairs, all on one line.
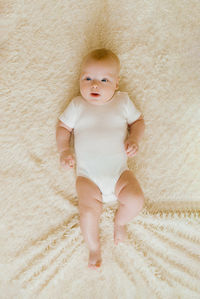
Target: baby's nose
{"points": [[94, 83]]}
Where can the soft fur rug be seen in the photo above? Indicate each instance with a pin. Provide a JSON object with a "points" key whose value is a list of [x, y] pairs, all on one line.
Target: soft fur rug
{"points": [[42, 251]]}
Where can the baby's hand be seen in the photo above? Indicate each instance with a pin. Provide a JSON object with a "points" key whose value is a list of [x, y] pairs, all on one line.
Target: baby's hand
{"points": [[67, 159], [131, 147]]}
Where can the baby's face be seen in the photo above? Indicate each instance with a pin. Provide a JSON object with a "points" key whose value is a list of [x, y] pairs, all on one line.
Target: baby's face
{"points": [[100, 78]]}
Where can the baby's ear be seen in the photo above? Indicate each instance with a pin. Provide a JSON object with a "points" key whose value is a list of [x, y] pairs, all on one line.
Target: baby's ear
{"points": [[117, 85]]}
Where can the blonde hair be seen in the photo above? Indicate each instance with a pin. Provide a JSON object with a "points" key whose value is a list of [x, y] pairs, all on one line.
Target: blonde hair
{"points": [[102, 54]]}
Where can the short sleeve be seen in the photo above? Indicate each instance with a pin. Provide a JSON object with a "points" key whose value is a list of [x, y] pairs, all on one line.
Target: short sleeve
{"points": [[131, 112], [69, 115]]}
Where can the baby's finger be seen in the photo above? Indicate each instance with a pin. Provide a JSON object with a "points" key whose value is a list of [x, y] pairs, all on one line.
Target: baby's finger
{"points": [[129, 149], [132, 153], [134, 147], [71, 163]]}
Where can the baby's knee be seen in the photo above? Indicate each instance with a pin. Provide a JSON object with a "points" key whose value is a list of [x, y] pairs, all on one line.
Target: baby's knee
{"points": [[132, 198], [92, 211], [138, 202]]}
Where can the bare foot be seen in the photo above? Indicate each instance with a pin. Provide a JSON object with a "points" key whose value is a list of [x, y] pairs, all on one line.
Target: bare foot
{"points": [[120, 233], [94, 259]]}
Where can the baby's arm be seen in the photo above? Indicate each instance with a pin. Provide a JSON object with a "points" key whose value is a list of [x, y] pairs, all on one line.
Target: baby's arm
{"points": [[63, 134], [136, 131]]}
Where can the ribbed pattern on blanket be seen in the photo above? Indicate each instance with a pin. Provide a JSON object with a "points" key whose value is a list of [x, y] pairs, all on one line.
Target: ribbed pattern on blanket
{"points": [[42, 252]]}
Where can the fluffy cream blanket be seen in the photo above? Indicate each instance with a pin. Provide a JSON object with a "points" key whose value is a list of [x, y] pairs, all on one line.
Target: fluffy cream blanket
{"points": [[42, 252]]}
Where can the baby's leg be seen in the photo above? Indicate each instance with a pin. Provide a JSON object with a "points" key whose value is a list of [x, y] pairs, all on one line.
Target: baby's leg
{"points": [[90, 209], [131, 202]]}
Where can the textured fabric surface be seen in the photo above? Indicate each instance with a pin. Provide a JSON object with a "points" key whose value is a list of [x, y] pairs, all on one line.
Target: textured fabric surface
{"points": [[42, 252]]}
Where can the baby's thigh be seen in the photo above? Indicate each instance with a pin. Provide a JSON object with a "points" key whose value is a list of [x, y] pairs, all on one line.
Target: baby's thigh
{"points": [[127, 178], [89, 195]]}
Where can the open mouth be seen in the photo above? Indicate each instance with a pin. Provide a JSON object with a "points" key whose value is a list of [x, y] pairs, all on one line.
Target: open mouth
{"points": [[94, 94]]}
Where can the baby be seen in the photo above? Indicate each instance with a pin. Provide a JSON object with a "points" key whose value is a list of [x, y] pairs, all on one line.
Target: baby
{"points": [[107, 129]]}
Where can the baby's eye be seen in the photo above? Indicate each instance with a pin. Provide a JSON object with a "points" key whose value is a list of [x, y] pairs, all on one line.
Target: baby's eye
{"points": [[88, 78], [104, 80]]}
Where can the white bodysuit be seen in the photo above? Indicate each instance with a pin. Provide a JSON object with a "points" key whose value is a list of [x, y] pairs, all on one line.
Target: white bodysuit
{"points": [[99, 135]]}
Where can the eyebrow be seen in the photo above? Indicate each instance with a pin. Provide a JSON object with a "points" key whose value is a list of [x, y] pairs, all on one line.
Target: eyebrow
{"points": [[107, 75]]}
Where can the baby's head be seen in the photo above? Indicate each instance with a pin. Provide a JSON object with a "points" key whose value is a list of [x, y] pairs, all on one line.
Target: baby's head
{"points": [[99, 75]]}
